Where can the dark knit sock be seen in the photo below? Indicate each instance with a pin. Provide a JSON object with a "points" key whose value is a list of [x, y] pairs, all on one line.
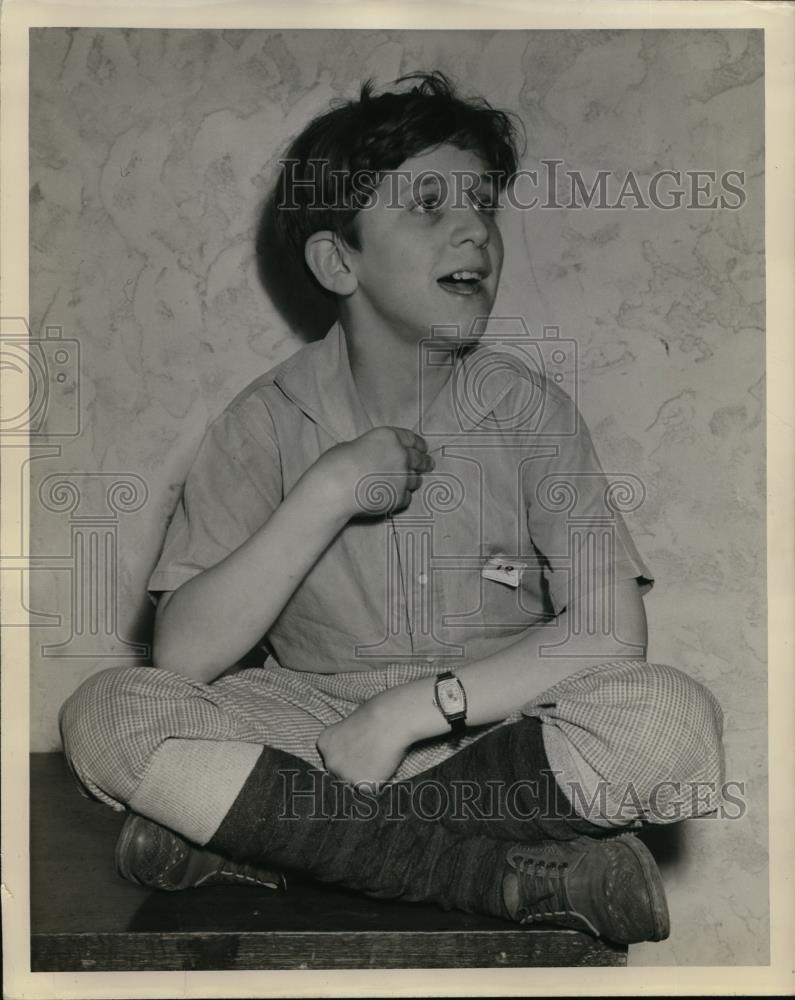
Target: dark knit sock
{"points": [[293, 816], [500, 786]]}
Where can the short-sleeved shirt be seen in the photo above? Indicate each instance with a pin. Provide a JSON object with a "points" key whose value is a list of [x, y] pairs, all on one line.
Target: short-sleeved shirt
{"points": [[516, 487]]}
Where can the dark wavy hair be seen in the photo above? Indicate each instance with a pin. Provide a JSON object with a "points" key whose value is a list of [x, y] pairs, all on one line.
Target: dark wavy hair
{"points": [[376, 133]]}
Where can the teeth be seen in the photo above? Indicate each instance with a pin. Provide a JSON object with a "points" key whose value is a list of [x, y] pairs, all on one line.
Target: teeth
{"points": [[463, 275]]}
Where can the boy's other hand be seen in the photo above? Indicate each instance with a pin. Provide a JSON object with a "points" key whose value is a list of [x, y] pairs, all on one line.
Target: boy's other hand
{"points": [[377, 473], [365, 748]]}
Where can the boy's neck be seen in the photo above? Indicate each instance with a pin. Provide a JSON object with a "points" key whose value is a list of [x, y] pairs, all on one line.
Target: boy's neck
{"points": [[391, 379]]}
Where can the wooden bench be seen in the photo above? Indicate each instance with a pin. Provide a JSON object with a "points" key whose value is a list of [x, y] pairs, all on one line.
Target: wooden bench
{"points": [[85, 918]]}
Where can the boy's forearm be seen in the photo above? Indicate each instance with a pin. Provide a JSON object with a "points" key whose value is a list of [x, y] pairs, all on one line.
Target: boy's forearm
{"points": [[501, 683], [211, 621]]}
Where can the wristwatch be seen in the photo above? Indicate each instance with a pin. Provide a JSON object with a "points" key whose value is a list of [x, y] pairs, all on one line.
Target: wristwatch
{"points": [[451, 700]]}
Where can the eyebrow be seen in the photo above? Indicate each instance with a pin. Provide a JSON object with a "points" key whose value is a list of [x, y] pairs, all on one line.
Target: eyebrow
{"points": [[429, 179]]}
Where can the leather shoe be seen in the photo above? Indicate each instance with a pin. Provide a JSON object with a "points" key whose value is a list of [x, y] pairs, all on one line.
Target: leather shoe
{"points": [[151, 855], [611, 888]]}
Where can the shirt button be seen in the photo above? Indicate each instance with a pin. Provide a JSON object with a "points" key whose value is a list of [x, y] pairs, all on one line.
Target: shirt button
{"points": [[422, 579]]}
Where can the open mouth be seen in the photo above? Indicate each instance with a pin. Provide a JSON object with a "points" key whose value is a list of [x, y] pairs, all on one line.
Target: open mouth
{"points": [[462, 282]]}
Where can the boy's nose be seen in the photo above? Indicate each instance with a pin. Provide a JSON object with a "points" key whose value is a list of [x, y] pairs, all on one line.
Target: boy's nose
{"points": [[470, 225]]}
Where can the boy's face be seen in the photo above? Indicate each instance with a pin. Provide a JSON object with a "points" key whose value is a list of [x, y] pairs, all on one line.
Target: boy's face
{"points": [[431, 250]]}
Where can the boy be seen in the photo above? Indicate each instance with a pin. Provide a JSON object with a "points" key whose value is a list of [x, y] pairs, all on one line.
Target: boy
{"points": [[415, 526]]}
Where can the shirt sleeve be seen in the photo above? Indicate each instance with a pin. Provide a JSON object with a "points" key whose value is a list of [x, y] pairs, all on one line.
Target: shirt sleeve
{"points": [[231, 489], [574, 511]]}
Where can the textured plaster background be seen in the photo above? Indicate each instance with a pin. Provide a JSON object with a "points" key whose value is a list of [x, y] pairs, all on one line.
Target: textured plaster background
{"points": [[150, 153]]}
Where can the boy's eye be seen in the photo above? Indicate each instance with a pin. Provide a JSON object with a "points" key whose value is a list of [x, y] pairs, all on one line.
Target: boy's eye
{"points": [[430, 202], [427, 195], [486, 202], [486, 207]]}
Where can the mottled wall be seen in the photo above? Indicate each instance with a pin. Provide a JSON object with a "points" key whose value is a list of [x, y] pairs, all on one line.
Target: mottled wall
{"points": [[150, 154]]}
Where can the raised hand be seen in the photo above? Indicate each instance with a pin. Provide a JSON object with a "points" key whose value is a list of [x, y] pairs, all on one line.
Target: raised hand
{"points": [[378, 471]]}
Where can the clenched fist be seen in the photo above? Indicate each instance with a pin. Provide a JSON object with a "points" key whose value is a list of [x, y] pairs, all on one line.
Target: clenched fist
{"points": [[378, 471]]}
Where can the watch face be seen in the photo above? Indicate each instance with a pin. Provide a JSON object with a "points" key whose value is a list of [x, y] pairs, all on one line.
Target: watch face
{"points": [[450, 695]]}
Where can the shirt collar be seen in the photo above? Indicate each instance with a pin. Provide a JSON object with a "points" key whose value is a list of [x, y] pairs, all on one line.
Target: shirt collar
{"points": [[319, 381]]}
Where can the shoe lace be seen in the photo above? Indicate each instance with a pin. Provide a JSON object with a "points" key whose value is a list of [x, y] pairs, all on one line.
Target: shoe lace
{"points": [[544, 892]]}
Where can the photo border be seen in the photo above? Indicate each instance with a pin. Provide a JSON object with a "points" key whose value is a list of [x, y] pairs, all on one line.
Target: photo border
{"points": [[776, 20]]}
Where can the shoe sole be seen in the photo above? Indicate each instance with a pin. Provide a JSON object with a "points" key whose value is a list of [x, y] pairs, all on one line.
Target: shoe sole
{"points": [[654, 885]]}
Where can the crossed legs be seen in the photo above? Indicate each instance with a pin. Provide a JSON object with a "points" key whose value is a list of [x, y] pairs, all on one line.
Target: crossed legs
{"points": [[178, 752]]}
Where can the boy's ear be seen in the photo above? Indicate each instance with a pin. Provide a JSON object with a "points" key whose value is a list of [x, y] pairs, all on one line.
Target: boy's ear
{"points": [[327, 258]]}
